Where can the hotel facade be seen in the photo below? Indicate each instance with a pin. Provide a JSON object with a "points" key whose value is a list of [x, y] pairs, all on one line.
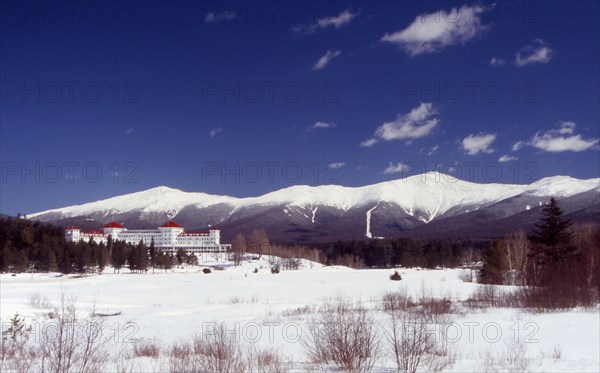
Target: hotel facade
{"points": [[168, 237]]}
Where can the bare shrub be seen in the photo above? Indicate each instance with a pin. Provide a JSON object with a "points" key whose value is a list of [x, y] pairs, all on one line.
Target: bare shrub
{"points": [[396, 301], [38, 302], [488, 296], [298, 311], [181, 357], [73, 343], [70, 342], [235, 300], [16, 353], [411, 339], [546, 298], [414, 328], [265, 360], [435, 309], [218, 351], [509, 356], [146, 348], [344, 334], [122, 362], [557, 352]]}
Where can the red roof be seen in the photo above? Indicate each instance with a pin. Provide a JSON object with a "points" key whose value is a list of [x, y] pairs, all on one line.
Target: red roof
{"points": [[71, 227], [95, 233], [170, 224], [214, 229], [113, 224]]}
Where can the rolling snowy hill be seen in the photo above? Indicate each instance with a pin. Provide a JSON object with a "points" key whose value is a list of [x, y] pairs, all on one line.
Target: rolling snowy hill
{"points": [[426, 204]]}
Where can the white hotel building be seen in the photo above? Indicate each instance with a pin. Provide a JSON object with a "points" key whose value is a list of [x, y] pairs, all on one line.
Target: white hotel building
{"points": [[168, 237]]}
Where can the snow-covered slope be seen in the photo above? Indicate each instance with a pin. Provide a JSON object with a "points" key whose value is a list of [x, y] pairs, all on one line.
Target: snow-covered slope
{"points": [[432, 192], [414, 200], [159, 199]]}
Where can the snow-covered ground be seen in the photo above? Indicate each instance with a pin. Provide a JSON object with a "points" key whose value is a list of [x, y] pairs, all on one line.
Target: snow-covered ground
{"points": [[270, 309]]}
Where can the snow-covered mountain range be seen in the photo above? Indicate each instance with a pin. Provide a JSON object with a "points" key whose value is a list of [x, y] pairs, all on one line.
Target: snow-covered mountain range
{"points": [[426, 204]]}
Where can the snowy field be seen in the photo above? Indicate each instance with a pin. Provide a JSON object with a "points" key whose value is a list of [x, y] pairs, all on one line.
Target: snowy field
{"points": [[271, 310]]}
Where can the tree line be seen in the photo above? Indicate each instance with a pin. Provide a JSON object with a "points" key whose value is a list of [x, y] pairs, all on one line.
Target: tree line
{"points": [[281, 256], [33, 246], [406, 252], [378, 253]]}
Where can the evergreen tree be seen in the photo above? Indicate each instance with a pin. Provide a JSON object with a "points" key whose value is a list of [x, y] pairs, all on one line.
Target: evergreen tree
{"points": [[181, 256], [118, 256], [164, 261], [152, 254], [192, 259], [495, 264], [8, 256], [138, 258], [52, 261], [103, 257], [552, 241]]}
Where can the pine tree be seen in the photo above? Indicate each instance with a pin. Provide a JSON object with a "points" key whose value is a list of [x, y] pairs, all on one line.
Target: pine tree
{"points": [[552, 241], [152, 254], [52, 262], [181, 256], [138, 258], [118, 256], [495, 264], [103, 257], [192, 259], [8, 256]]}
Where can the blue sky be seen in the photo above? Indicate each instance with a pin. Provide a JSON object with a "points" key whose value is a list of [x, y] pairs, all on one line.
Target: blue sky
{"points": [[242, 98]]}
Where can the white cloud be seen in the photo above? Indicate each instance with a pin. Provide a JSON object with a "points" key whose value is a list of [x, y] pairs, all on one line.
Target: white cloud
{"points": [[562, 139], [433, 149], [335, 165], [416, 124], [537, 52], [368, 143], [474, 144], [566, 127], [320, 124], [129, 131], [517, 146], [430, 33], [497, 62], [507, 158], [325, 59], [212, 17], [395, 168], [344, 18], [213, 132]]}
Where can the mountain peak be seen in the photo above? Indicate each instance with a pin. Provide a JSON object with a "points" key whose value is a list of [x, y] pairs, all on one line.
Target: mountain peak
{"points": [[325, 212]]}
